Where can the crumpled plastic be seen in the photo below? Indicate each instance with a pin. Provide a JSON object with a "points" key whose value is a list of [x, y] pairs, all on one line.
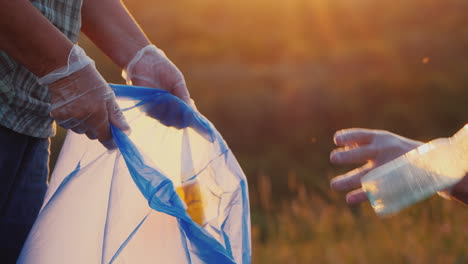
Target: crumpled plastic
{"points": [[433, 167], [173, 192]]}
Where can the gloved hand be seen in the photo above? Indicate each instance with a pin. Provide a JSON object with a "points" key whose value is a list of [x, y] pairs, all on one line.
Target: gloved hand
{"points": [[82, 101], [364, 146], [151, 68]]}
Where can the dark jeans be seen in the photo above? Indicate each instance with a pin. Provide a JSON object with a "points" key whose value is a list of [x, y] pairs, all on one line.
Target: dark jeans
{"points": [[24, 166]]}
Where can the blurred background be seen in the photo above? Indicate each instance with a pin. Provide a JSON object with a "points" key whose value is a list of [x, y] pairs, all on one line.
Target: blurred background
{"points": [[278, 78]]}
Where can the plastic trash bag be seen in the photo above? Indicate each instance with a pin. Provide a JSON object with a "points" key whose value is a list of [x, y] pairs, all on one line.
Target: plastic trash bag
{"points": [[172, 193]]}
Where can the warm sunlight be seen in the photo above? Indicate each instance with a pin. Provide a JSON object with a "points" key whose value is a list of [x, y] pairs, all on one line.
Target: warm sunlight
{"points": [[233, 132]]}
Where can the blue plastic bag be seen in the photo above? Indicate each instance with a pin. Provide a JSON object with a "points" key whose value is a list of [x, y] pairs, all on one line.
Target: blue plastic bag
{"points": [[172, 193]]}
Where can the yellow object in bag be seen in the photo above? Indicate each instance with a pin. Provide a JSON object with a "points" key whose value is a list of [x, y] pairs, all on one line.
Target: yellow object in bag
{"points": [[190, 193]]}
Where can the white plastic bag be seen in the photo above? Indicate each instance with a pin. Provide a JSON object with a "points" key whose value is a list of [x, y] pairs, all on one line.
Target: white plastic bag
{"points": [[172, 193]]}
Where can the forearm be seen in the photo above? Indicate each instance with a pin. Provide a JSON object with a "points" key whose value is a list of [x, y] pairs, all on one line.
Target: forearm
{"points": [[29, 38], [110, 26]]}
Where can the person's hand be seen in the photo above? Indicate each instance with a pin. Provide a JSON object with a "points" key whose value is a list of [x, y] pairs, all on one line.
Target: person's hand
{"points": [[82, 101], [151, 68], [364, 146], [459, 192]]}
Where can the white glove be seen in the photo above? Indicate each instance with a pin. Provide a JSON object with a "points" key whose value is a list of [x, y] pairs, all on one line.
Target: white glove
{"points": [[82, 101], [151, 68], [364, 146]]}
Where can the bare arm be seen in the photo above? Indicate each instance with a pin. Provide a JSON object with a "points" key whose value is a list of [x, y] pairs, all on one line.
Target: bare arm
{"points": [[33, 41], [110, 26], [28, 37]]}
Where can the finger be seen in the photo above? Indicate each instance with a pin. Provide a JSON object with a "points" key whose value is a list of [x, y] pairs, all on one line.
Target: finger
{"points": [[192, 104], [109, 144], [116, 116], [81, 129], [69, 123], [350, 180], [353, 136], [357, 155], [356, 197], [104, 135], [98, 125], [144, 82], [91, 133], [180, 90]]}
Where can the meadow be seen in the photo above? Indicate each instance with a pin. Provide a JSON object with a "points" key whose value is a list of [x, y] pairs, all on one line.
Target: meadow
{"points": [[278, 78]]}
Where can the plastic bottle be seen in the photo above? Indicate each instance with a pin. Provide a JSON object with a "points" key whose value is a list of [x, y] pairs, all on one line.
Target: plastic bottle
{"points": [[418, 174]]}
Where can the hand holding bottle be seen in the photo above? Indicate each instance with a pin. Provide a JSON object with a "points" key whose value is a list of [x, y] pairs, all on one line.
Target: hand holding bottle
{"points": [[364, 146]]}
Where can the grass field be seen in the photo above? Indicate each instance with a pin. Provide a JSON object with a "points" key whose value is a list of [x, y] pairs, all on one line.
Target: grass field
{"points": [[311, 229]]}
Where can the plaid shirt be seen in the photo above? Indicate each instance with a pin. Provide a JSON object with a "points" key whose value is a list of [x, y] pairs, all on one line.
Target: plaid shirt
{"points": [[24, 104]]}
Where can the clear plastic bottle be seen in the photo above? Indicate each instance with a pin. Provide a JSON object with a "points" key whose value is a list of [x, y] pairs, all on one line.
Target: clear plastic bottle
{"points": [[418, 174]]}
